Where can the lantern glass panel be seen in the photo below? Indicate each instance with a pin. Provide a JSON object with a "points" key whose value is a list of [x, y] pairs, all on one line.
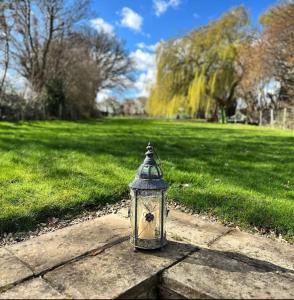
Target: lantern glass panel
{"points": [[149, 214]]}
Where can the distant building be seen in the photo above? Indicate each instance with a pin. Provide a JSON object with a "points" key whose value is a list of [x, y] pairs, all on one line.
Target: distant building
{"points": [[110, 106], [134, 107]]}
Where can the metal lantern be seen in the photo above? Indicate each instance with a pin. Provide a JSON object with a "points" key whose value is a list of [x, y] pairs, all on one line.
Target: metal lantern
{"points": [[148, 206]]}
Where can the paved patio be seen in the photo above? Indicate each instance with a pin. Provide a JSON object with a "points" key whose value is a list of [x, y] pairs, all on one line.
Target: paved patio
{"points": [[95, 260]]}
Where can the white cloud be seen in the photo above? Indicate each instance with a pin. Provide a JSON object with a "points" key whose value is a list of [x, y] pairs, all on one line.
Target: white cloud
{"points": [[103, 94], [145, 61], [100, 25], [131, 19], [144, 82], [161, 6], [143, 46]]}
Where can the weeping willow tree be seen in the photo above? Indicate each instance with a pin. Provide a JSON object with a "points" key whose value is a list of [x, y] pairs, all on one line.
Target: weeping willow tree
{"points": [[199, 72]]}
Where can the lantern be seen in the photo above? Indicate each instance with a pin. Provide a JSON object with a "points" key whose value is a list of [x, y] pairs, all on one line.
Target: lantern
{"points": [[148, 206]]}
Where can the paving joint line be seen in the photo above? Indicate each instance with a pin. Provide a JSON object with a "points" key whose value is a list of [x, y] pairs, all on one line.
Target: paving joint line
{"points": [[42, 273], [155, 277], [23, 262], [85, 254], [11, 285], [56, 288], [158, 274], [210, 243]]}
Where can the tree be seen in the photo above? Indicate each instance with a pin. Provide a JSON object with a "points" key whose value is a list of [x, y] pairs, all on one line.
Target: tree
{"points": [[34, 26], [65, 62], [253, 78], [200, 70], [4, 46], [278, 45], [266, 61], [111, 61], [110, 106], [37, 24], [94, 61]]}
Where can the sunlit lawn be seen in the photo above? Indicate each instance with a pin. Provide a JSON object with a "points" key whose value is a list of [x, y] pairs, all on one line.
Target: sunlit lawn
{"points": [[242, 174]]}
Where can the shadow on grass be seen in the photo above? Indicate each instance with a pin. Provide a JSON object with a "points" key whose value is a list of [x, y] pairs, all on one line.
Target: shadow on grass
{"points": [[243, 157], [249, 159], [41, 214]]}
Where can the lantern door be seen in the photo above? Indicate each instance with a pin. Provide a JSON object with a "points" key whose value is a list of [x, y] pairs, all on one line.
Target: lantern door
{"points": [[148, 213]]}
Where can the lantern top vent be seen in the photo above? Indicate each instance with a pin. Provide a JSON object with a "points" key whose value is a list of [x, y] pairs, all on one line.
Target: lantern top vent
{"points": [[149, 175]]}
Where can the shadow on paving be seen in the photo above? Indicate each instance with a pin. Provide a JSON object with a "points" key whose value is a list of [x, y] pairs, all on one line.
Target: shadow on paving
{"points": [[261, 266], [214, 260]]}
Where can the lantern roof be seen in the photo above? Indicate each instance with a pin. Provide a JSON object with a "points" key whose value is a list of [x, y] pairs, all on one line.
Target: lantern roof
{"points": [[149, 174]]}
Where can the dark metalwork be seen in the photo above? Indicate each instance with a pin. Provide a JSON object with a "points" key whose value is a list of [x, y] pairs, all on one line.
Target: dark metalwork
{"points": [[149, 175], [162, 224], [149, 217], [136, 215], [148, 244], [149, 178]]}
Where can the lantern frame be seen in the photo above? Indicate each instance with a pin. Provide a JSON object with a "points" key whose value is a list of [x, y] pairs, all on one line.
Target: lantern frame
{"points": [[148, 179]]}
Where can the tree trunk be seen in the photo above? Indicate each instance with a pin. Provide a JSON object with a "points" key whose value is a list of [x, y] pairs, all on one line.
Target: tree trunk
{"points": [[60, 111], [215, 114], [272, 117], [6, 55], [260, 118], [223, 113], [284, 117]]}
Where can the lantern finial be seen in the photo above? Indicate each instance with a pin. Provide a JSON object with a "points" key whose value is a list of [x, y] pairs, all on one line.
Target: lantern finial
{"points": [[149, 149], [149, 159]]}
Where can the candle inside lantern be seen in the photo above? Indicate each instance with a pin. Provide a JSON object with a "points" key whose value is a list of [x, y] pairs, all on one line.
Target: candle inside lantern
{"points": [[147, 226]]}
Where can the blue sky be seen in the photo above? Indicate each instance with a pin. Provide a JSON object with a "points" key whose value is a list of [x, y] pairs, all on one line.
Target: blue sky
{"points": [[178, 17], [144, 23]]}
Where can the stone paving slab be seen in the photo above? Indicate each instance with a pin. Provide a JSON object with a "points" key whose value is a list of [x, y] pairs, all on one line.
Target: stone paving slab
{"points": [[89, 260], [33, 289], [12, 270], [115, 271], [257, 247], [189, 228], [211, 274], [193, 229], [52, 249]]}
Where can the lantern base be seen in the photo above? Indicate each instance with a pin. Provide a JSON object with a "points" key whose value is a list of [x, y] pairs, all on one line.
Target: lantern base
{"points": [[148, 244]]}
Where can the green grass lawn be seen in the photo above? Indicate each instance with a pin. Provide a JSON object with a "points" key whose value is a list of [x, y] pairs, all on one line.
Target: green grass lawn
{"points": [[242, 174]]}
